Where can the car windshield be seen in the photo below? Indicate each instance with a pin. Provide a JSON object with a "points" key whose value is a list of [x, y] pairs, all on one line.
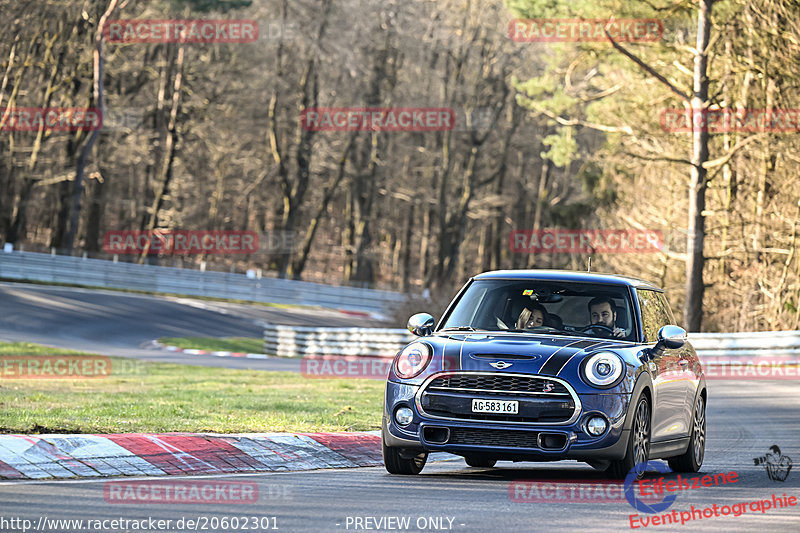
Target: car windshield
{"points": [[550, 308]]}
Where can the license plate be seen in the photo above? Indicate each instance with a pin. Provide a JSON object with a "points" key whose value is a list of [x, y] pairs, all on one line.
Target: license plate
{"points": [[510, 407]]}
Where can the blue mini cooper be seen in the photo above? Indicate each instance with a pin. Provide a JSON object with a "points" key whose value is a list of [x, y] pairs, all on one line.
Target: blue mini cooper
{"points": [[536, 365]]}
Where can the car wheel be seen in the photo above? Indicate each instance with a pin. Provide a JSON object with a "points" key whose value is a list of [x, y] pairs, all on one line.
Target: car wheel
{"points": [[692, 459], [400, 461], [638, 448], [480, 462]]}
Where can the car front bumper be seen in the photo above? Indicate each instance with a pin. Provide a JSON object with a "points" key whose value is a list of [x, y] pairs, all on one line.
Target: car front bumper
{"points": [[507, 440]]}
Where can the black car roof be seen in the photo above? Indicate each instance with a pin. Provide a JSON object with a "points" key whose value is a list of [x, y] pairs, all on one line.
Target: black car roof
{"points": [[568, 275]]}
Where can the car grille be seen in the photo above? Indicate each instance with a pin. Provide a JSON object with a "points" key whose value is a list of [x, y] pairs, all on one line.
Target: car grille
{"points": [[493, 437], [498, 384], [449, 396]]}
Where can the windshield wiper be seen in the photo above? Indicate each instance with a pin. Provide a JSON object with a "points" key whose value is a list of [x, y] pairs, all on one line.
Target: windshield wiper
{"points": [[459, 328]]}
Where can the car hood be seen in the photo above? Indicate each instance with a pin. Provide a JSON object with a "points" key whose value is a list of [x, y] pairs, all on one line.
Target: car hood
{"points": [[511, 352]]}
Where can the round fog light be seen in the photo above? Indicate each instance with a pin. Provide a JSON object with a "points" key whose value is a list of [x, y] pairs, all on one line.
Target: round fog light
{"points": [[404, 416], [596, 426]]}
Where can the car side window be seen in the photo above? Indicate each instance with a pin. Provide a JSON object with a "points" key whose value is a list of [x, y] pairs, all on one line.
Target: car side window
{"points": [[655, 313]]}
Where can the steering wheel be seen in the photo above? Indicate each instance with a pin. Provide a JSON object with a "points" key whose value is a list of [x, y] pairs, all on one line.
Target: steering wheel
{"points": [[599, 329]]}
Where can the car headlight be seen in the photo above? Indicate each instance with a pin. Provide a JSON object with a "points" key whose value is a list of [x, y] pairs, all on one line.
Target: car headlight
{"points": [[412, 360], [603, 369]]}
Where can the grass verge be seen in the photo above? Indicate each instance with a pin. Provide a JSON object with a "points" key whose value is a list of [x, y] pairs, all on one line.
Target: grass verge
{"points": [[160, 397], [226, 344]]}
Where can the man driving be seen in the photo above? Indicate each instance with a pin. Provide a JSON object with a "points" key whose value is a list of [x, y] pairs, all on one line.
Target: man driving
{"points": [[603, 312]]}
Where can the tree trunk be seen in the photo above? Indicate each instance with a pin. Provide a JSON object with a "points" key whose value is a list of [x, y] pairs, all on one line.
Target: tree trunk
{"points": [[99, 101], [94, 218], [406, 255], [693, 306], [299, 263], [541, 198], [164, 178]]}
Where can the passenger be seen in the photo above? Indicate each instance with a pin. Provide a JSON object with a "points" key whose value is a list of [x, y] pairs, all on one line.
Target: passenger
{"points": [[603, 312], [532, 316]]}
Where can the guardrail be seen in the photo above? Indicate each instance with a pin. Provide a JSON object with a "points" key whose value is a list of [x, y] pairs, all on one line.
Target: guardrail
{"points": [[293, 341], [747, 344], [30, 266], [299, 341]]}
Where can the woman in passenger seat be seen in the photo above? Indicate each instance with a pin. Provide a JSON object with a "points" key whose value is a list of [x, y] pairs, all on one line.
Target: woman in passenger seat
{"points": [[532, 316]]}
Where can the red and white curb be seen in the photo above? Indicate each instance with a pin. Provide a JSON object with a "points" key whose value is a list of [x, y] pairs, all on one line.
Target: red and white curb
{"points": [[192, 351], [144, 454]]}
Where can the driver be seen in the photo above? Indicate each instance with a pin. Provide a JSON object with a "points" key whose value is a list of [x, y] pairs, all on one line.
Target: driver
{"points": [[603, 312], [532, 316]]}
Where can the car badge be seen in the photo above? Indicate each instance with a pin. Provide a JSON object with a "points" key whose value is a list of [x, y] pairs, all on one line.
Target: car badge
{"points": [[547, 387], [500, 365]]}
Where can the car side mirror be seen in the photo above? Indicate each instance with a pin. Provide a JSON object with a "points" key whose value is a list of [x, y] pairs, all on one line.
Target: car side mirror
{"points": [[671, 337], [421, 324]]}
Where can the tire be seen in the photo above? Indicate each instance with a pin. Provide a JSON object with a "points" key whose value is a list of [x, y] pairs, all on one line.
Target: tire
{"points": [[692, 459], [395, 463], [637, 451], [480, 462]]}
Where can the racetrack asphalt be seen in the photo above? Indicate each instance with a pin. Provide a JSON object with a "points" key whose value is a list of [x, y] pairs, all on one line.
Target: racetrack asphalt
{"points": [[124, 324], [745, 418]]}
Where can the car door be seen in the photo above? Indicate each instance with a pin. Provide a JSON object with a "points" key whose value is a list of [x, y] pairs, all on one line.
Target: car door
{"points": [[688, 366], [670, 378]]}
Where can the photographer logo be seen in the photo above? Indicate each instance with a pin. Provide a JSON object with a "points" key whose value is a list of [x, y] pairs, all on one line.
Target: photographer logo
{"points": [[776, 464]]}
